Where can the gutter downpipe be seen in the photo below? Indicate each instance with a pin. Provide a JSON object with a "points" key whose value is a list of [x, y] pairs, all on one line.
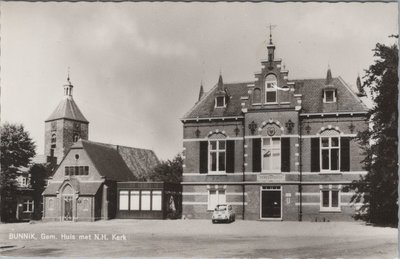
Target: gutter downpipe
{"points": [[243, 167], [300, 170]]}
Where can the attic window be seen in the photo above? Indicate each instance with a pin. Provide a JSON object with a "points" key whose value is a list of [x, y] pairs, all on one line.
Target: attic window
{"points": [[330, 96], [220, 101]]}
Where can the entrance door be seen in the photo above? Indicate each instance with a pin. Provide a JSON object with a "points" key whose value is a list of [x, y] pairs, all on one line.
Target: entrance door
{"points": [[68, 208], [271, 202]]}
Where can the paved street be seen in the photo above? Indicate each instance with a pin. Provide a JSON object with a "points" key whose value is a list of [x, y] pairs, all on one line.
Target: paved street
{"points": [[199, 238]]}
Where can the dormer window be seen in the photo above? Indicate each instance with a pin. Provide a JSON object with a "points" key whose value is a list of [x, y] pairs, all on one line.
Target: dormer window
{"points": [[271, 89], [220, 102], [329, 96]]}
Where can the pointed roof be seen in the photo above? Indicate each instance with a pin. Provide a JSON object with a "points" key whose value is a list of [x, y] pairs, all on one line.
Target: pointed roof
{"points": [[201, 93], [220, 83], [119, 163], [328, 80], [359, 87], [67, 109]]}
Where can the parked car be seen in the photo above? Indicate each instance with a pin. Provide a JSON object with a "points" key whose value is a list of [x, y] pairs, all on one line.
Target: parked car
{"points": [[224, 213]]}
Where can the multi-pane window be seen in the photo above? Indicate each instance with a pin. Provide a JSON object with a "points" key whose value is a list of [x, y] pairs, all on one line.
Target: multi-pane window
{"points": [[140, 200], [329, 96], [330, 153], [271, 89], [271, 154], [216, 197], [217, 151], [330, 199], [76, 170], [28, 205], [220, 101]]}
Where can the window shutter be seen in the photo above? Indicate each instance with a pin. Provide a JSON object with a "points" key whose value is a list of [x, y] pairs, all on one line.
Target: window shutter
{"points": [[315, 166], [203, 157], [345, 154], [230, 156], [285, 155], [257, 155]]}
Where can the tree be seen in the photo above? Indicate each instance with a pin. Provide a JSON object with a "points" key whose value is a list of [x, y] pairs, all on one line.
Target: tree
{"points": [[378, 189], [168, 171], [16, 150]]}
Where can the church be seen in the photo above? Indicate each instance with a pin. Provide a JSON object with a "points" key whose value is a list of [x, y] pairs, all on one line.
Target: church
{"points": [[274, 148], [86, 184]]}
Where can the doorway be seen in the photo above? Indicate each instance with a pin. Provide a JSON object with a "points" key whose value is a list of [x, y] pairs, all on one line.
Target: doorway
{"points": [[67, 208], [271, 202]]}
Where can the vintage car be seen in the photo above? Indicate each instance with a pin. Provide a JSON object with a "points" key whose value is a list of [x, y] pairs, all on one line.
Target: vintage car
{"points": [[224, 213]]}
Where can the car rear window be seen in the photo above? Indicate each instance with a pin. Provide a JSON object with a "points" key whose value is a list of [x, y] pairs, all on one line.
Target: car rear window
{"points": [[221, 208]]}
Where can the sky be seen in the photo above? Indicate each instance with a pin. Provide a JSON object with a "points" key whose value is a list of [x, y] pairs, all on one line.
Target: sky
{"points": [[137, 67]]}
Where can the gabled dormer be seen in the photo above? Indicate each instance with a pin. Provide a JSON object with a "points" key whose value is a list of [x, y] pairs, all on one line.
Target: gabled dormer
{"points": [[220, 95], [329, 92]]}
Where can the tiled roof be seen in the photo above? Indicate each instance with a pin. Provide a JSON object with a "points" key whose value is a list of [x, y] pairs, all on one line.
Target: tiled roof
{"points": [[205, 107], [119, 163], [312, 101], [67, 109], [83, 187]]}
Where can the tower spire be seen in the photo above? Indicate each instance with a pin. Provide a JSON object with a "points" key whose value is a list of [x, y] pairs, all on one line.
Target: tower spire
{"points": [[68, 87]]}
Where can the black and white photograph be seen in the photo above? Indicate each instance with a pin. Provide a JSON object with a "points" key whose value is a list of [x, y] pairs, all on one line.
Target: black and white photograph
{"points": [[199, 129]]}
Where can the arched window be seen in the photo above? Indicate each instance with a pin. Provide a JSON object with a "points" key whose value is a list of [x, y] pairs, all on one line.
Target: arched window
{"points": [[53, 138], [271, 85], [76, 137], [257, 96]]}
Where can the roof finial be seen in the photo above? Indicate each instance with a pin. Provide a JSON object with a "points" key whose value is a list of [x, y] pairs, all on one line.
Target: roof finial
{"points": [[328, 76], [68, 78], [271, 27]]}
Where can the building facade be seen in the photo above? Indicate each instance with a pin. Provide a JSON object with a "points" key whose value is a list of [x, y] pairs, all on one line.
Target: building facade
{"points": [[274, 148], [84, 186], [65, 126]]}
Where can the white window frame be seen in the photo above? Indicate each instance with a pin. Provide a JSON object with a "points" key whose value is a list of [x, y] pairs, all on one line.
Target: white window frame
{"points": [[217, 151], [219, 195], [329, 148], [30, 206], [333, 93], [270, 90], [216, 102], [123, 202], [330, 208], [271, 147]]}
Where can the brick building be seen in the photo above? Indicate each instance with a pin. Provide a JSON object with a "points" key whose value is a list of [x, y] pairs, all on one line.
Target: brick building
{"points": [[275, 148], [84, 184]]}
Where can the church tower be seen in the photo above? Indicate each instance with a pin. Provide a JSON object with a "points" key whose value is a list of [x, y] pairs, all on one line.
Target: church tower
{"points": [[65, 126]]}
